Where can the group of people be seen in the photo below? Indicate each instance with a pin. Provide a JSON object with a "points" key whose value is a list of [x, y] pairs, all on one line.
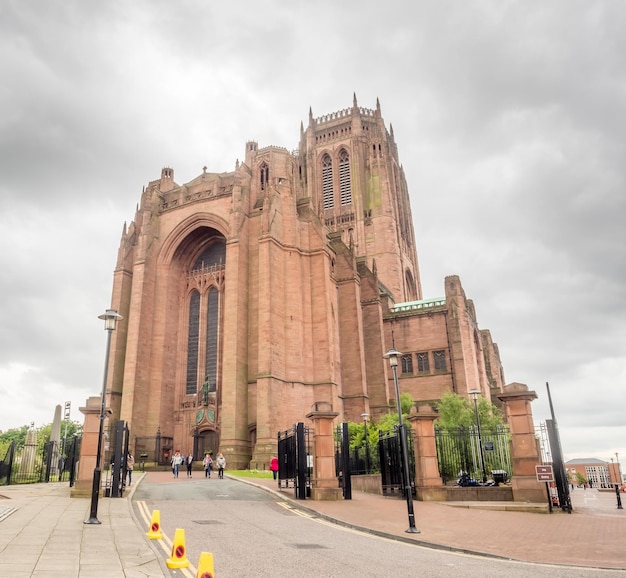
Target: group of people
{"points": [[179, 460], [207, 463]]}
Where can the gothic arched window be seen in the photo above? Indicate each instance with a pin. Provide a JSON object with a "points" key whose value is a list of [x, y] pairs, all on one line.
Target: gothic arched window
{"points": [[265, 176], [193, 334], [210, 370], [411, 289], [327, 182], [345, 186]]}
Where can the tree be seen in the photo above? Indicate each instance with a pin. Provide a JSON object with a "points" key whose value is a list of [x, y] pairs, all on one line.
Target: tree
{"points": [[18, 435], [580, 479], [455, 410], [387, 422]]}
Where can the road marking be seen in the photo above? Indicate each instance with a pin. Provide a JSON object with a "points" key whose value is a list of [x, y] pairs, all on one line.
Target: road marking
{"points": [[165, 542], [290, 507]]}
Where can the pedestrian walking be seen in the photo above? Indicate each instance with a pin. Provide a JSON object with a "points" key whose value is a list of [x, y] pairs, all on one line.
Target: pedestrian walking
{"points": [[177, 460], [189, 462], [130, 464], [207, 463], [274, 466], [221, 464]]}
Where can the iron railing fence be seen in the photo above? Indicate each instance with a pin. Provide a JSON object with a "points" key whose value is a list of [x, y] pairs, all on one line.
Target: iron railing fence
{"points": [[459, 452], [30, 463], [365, 460]]}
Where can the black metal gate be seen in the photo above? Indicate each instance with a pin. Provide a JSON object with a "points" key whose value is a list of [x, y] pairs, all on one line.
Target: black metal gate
{"points": [[391, 463], [343, 463], [295, 461], [116, 451]]}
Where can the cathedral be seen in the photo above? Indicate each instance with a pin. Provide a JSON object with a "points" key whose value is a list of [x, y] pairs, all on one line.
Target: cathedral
{"points": [[250, 295]]}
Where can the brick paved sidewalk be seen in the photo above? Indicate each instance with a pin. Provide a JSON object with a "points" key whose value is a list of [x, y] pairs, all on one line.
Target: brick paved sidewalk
{"points": [[593, 535]]}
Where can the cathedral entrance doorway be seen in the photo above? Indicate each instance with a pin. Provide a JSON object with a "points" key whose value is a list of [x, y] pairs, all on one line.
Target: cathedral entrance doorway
{"points": [[207, 441]]}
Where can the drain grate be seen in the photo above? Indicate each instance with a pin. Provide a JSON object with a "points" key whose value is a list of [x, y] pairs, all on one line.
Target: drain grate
{"points": [[308, 546], [207, 522]]}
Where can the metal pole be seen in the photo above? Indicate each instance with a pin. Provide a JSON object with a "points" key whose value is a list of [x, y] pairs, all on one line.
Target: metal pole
{"points": [[405, 457], [95, 489]]}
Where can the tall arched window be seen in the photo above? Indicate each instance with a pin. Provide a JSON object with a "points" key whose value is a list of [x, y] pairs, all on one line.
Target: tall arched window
{"points": [[210, 370], [193, 343], [265, 176], [411, 289], [327, 182], [205, 279], [345, 187]]}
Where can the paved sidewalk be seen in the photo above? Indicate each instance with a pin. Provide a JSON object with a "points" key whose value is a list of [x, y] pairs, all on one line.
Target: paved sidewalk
{"points": [[594, 535], [42, 534]]}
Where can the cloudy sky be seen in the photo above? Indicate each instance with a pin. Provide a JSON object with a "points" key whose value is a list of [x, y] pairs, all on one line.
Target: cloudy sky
{"points": [[510, 119]]}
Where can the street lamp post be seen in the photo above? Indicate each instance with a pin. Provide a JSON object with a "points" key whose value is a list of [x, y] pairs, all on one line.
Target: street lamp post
{"points": [[392, 355], [110, 318], [474, 393], [367, 443]]}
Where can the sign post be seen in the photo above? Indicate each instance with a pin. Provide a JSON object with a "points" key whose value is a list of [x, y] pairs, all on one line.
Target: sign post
{"points": [[546, 474]]}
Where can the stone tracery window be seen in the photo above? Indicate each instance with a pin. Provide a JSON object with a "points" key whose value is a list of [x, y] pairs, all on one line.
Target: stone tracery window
{"points": [[327, 183], [345, 186], [193, 342], [265, 176], [440, 360], [210, 370], [203, 321], [407, 364], [423, 365]]}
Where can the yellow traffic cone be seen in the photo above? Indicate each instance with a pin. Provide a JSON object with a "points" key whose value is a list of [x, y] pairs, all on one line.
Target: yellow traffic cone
{"points": [[155, 526], [205, 566], [178, 559]]}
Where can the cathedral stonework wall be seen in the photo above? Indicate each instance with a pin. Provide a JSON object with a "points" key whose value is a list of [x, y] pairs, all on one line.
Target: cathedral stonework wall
{"points": [[249, 296]]}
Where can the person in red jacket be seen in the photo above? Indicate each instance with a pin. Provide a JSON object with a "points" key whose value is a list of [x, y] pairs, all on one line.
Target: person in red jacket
{"points": [[274, 466]]}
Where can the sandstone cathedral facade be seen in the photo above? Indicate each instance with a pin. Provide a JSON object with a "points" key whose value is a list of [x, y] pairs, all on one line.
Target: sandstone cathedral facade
{"points": [[250, 295]]}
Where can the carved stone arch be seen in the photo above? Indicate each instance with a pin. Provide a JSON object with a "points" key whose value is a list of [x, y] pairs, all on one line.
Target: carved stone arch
{"points": [[185, 233]]}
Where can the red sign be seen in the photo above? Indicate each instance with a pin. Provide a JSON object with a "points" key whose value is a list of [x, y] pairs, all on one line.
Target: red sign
{"points": [[544, 473]]}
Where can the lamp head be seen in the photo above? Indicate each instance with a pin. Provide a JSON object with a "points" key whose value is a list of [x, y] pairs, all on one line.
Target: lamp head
{"points": [[392, 355], [111, 317], [474, 393]]}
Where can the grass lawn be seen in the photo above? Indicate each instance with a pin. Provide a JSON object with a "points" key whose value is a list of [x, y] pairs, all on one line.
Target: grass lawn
{"points": [[250, 473]]}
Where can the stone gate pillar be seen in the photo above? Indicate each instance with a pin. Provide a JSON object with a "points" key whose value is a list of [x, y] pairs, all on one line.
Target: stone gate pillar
{"points": [[428, 482], [325, 485], [88, 449], [524, 450]]}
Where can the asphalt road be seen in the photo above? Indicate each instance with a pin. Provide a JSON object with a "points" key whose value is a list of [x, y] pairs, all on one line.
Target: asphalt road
{"points": [[251, 532]]}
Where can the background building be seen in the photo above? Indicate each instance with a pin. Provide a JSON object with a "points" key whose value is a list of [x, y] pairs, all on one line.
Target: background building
{"points": [[250, 295], [599, 473]]}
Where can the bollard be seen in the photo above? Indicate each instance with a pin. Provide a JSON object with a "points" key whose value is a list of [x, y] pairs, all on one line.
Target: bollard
{"points": [[155, 526], [178, 559], [205, 566]]}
